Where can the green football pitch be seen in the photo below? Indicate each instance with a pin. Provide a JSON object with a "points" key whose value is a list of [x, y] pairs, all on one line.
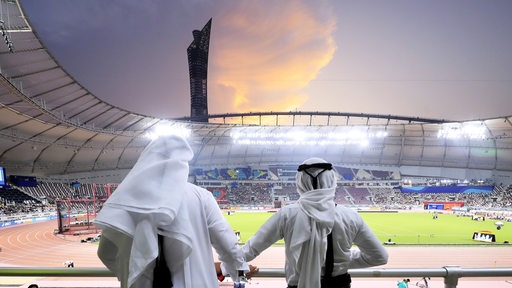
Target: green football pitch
{"points": [[401, 228]]}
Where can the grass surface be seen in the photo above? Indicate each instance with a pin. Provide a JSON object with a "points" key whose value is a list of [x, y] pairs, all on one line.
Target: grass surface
{"points": [[402, 228]]}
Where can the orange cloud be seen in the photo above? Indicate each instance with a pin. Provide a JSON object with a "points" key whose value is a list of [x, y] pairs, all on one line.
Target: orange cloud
{"points": [[261, 57]]}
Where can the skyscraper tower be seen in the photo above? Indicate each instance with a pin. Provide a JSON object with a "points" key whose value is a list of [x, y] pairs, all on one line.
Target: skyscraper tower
{"points": [[198, 72]]}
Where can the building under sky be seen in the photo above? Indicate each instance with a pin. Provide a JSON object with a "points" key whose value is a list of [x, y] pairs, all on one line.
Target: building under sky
{"points": [[198, 72]]}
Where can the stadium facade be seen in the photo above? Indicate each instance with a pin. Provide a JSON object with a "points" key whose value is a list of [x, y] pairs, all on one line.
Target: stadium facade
{"points": [[53, 127]]}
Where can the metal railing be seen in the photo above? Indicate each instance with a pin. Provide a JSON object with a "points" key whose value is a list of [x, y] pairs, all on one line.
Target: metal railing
{"points": [[451, 274]]}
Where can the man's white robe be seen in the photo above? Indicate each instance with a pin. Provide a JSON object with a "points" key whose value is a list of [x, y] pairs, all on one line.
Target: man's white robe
{"points": [[155, 198], [305, 226]]}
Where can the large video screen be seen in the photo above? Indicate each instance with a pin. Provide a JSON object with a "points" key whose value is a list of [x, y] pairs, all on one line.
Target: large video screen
{"points": [[2, 176]]}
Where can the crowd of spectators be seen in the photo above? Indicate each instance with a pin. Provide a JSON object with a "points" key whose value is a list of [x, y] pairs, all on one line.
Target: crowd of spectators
{"points": [[251, 193], [23, 208], [42, 198], [265, 193], [257, 193]]}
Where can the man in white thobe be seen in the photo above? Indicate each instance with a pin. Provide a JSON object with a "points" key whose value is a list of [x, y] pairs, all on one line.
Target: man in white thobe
{"points": [[305, 227], [156, 199]]}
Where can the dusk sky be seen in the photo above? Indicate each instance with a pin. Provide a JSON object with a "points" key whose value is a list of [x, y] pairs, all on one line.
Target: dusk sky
{"points": [[446, 59]]}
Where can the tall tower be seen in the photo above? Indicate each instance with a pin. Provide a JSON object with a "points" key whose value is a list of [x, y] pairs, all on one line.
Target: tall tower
{"points": [[198, 72]]}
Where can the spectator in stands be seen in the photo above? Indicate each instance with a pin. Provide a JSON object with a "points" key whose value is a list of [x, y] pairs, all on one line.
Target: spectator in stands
{"points": [[403, 284], [318, 234], [155, 214], [69, 264]]}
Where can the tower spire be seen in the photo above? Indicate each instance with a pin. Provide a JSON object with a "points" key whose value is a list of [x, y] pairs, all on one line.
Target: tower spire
{"points": [[198, 72]]}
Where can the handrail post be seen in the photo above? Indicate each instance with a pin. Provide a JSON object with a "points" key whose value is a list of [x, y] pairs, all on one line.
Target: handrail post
{"points": [[453, 274]]}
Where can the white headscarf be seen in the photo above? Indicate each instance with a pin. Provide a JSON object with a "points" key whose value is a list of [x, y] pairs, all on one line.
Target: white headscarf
{"points": [[146, 201], [312, 226]]}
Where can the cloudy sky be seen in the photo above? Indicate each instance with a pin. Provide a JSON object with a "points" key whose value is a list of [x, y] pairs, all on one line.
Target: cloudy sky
{"points": [[446, 59]]}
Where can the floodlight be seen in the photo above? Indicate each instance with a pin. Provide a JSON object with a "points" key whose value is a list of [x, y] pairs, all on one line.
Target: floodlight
{"points": [[168, 129]]}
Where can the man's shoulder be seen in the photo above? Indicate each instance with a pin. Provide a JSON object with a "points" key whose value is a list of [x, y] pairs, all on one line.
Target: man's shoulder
{"points": [[290, 207], [345, 209], [347, 213], [197, 189]]}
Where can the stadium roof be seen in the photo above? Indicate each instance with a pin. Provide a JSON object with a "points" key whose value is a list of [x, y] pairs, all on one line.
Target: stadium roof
{"points": [[50, 124]]}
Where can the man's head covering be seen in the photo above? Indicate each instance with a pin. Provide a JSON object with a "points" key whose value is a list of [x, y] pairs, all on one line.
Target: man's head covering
{"points": [[316, 184], [315, 173], [162, 165], [144, 205]]}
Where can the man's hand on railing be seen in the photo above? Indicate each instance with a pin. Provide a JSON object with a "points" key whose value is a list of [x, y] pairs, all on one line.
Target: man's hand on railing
{"points": [[252, 271]]}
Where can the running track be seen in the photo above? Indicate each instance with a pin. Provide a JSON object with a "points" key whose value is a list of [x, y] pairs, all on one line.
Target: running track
{"points": [[35, 245]]}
